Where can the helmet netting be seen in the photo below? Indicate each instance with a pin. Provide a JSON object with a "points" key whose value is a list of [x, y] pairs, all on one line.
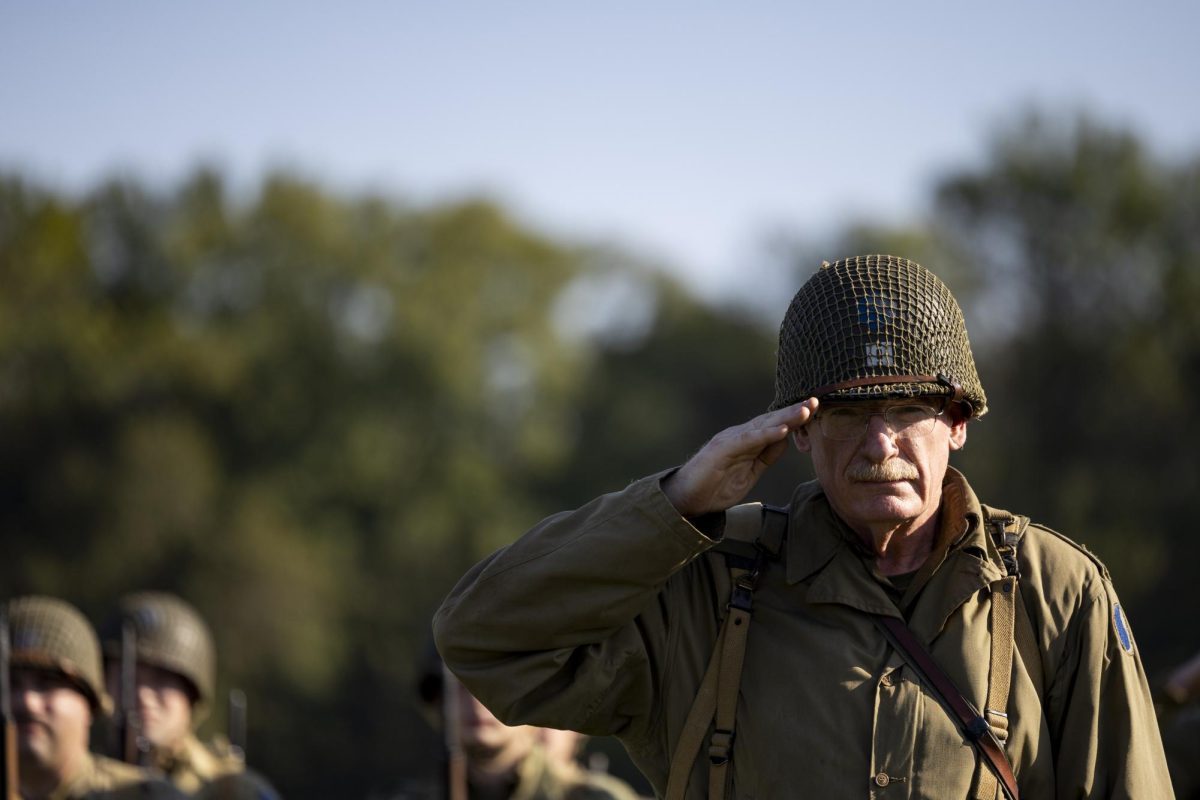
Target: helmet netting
{"points": [[875, 317]]}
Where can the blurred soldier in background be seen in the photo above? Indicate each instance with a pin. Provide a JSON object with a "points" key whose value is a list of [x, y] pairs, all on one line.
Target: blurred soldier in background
{"points": [[505, 762], [564, 747], [1180, 709], [55, 675], [174, 686]]}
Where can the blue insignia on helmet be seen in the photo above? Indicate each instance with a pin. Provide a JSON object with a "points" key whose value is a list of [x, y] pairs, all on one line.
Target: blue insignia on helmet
{"points": [[875, 311], [1121, 626]]}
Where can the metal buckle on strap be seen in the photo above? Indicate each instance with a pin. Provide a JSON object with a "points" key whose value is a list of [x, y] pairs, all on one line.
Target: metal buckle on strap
{"points": [[998, 721], [719, 746], [1006, 544], [742, 595]]}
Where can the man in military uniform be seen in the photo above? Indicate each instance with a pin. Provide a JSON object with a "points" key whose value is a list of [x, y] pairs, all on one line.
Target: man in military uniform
{"points": [[175, 684], [607, 619], [56, 692], [507, 762]]}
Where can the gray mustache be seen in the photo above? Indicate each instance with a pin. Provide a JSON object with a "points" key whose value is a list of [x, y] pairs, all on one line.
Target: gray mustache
{"points": [[887, 471]]}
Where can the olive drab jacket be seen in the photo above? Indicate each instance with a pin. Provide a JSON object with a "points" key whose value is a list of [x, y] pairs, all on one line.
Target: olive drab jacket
{"points": [[102, 778], [540, 779], [603, 620]]}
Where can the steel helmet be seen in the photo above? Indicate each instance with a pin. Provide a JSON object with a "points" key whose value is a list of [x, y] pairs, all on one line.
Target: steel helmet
{"points": [[51, 634], [875, 326], [171, 635]]}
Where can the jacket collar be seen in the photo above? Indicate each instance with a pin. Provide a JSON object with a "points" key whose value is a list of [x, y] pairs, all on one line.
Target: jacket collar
{"points": [[821, 547]]}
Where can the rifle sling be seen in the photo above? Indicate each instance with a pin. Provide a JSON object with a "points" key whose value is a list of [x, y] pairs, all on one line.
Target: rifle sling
{"points": [[974, 726]]}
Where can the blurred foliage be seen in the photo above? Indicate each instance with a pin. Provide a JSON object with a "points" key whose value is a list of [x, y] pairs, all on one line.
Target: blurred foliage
{"points": [[306, 414], [309, 413]]}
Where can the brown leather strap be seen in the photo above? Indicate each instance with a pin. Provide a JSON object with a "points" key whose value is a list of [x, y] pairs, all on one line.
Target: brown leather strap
{"points": [[974, 725]]}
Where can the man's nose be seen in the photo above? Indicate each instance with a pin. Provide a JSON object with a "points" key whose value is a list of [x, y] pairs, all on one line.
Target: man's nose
{"points": [[27, 699], [879, 442], [146, 695]]}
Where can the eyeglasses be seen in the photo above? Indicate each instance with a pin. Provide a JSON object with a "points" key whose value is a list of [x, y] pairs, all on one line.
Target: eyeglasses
{"points": [[905, 420]]}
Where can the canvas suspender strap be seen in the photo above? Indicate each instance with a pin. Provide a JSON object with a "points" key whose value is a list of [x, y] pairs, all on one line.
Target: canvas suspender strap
{"points": [[718, 693], [737, 626], [696, 725], [1004, 593], [974, 726], [1006, 532]]}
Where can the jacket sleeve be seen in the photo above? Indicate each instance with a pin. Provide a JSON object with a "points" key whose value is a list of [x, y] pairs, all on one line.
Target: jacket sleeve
{"points": [[570, 626], [1100, 710]]}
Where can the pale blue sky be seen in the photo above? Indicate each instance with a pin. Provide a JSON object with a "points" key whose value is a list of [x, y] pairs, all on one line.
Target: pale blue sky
{"points": [[685, 130]]}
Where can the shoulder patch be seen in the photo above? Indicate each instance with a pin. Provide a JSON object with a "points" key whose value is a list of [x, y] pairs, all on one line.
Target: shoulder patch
{"points": [[1121, 627]]}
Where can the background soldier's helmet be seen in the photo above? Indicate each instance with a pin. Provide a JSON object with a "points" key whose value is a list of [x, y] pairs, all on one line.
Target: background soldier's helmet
{"points": [[48, 633], [875, 326], [171, 635]]}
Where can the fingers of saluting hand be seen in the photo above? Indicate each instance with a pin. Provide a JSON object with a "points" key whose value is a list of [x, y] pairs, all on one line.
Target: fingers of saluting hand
{"points": [[792, 416], [765, 430], [728, 466]]}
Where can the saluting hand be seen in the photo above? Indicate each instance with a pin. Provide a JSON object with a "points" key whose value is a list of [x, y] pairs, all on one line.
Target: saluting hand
{"points": [[724, 471]]}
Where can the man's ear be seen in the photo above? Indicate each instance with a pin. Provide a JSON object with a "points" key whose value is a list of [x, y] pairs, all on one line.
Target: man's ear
{"points": [[958, 433], [801, 440]]}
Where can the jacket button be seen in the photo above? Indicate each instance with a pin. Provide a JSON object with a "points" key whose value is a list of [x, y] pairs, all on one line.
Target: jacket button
{"points": [[882, 779]]}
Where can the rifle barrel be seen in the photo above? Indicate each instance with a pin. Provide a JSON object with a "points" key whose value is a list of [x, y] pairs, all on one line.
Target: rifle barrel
{"points": [[10, 780], [237, 722], [129, 728]]}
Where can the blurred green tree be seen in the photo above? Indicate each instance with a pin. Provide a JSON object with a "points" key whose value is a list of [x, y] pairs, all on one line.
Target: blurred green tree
{"points": [[307, 414]]}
